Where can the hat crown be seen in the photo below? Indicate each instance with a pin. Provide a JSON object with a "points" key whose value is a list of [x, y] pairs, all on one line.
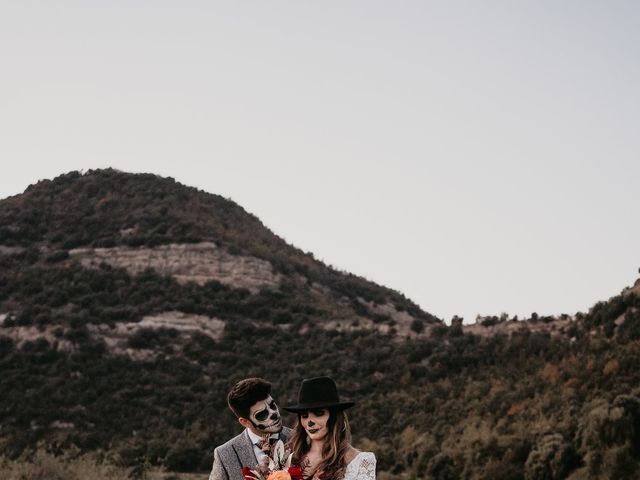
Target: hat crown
{"points": [[318, 392]]}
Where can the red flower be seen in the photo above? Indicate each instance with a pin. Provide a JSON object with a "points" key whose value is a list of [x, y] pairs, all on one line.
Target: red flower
{"points": [[248, 473], [295, 472]]}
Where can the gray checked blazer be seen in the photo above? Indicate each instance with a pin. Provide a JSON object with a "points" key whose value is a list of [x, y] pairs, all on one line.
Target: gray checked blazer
{"points": [[231, 457]]}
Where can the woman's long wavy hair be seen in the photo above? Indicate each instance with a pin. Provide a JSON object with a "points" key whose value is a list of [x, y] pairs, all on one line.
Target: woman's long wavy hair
{"points": [[336, 445]]}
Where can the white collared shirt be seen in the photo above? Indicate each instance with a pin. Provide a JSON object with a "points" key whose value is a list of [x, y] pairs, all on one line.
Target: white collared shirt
{"points": [[255, 439]]}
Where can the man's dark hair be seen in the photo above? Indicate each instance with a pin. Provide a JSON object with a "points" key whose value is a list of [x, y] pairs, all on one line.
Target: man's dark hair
{"points": [[245, 393]]}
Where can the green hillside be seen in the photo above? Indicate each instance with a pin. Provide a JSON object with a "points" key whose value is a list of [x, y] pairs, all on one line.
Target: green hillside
{"points": [[432, 401]]}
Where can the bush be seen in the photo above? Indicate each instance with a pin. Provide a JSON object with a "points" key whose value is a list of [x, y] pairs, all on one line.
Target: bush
{"points": [[552, 458], [58, 256], [442, 467], [6, 345], [183, 456], [417, 325], [151, 337]]}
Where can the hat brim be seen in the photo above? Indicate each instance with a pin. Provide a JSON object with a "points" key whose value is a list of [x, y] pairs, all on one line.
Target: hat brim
{"points": [[310, 406]]}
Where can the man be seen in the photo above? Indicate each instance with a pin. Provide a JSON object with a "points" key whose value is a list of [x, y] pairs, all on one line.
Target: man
{"points": [[251, 402]]}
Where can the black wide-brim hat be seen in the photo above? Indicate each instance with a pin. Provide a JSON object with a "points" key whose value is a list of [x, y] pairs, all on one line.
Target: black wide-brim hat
{"points": [[318, 392]]}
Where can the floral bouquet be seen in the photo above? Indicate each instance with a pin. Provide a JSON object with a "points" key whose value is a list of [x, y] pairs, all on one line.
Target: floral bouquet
{"points": [[276, 467]]}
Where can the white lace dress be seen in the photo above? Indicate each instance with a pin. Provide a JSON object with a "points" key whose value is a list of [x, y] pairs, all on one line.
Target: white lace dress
{"points": [[362, 467]]}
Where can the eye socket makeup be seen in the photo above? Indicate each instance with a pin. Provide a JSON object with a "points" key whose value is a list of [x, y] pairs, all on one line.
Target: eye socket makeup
{"points": [[262, 415], [265, 416]]}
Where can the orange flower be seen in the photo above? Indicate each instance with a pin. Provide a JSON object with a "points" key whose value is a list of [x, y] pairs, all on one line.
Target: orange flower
{"points": [[279, 475]]}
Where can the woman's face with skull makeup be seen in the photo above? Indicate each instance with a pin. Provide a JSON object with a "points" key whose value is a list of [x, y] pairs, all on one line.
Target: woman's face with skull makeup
{"points": [[315, 422], [265, 416]]}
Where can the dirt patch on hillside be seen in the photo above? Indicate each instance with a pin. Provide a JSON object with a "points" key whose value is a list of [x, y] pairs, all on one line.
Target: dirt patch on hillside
{"points": [[400, 329], [22, 334], [5, 250], [556, 327], [116, 337]]}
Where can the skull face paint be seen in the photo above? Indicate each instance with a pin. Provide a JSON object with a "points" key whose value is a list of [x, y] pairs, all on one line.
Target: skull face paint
{"points": [[265, 416], [315, 423]]}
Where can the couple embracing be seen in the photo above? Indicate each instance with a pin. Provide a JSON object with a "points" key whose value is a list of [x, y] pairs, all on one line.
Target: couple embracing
{"points": [[319, 443]]}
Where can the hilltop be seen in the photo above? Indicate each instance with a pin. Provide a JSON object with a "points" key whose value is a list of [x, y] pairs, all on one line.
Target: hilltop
{"points": [[129, 304], [145, 223]]}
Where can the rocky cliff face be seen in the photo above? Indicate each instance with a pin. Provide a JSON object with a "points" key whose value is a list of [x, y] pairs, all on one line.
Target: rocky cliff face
{"points": [[198, 262]]}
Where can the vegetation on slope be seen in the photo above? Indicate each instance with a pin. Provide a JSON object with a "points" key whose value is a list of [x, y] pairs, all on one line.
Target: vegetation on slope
{"points": [[452, 406], [447, 406], [107, 208]]}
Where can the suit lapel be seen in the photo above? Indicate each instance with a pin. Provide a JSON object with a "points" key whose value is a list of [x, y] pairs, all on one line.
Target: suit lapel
{"points": [[243, 449]]}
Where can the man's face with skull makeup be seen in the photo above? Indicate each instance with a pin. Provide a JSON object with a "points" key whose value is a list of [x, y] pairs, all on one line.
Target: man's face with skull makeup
{"points": [[264, 417]]}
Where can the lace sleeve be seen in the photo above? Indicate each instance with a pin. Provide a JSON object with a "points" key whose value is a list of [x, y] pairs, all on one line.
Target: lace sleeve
{"points": [[367, 467]]}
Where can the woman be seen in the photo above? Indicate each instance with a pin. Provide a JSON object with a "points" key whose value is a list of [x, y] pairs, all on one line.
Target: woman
{"points": [[321, 441]]}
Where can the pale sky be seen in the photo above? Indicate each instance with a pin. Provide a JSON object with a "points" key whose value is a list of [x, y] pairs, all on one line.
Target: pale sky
{"points": [[479, 157]]}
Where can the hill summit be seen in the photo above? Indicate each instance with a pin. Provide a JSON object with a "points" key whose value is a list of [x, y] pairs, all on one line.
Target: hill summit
{"points": [[140, 222]]}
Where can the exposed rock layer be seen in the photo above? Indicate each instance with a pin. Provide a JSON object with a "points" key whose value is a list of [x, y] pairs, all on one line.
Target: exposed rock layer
{"points": [[116, 336], [194, 262]]}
